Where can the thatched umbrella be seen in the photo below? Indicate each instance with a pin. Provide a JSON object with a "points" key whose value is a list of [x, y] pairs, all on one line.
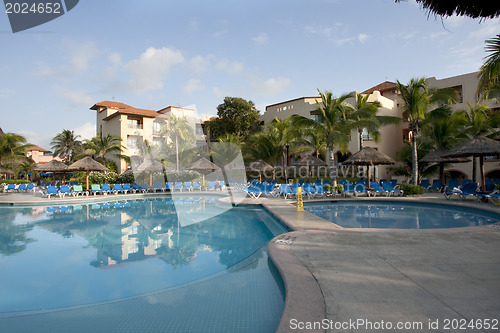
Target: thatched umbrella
{"points": [[87, 164], [436, 156], [204, 166], [369, 156], [311, 161], [5, 171], [479, 146], [53, 167], [151, 166], [260, 166]]}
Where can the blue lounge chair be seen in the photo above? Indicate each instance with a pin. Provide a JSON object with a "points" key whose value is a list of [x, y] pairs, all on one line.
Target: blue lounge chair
{"points": [[254, 191], [187, 186], [320, 191], [78, 189], [309, 190], [360, 188], [375, 189], [138, 187], [96, 188], [127, 188], [117, 188], [391, 190], [169, 186], [106, 189], [159, 186], [436, 185], [394, 182], [468, 189], [211, 185], [21, 187], [286, 191], [348, 188], [30, 187], [424, 183], [64, 190], [452, 183], [51, 190], [178, 186], [11, 188], [196, 186]]}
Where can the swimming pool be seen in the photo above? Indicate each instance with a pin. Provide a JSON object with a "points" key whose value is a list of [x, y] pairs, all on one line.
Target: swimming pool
{"points": [[135, 266], [399, 215]]}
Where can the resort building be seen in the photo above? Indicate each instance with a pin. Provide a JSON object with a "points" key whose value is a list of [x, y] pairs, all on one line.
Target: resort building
{"points": [[40, 155], [134, 126], [393, 137]]}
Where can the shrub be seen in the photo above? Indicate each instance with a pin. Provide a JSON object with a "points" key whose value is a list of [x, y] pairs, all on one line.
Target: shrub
{"points": [[125, 178], [409, 189]]}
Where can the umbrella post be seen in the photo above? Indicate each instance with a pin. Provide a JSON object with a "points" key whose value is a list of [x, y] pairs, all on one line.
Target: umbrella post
{"points": [[87, 179], [481, 167]]}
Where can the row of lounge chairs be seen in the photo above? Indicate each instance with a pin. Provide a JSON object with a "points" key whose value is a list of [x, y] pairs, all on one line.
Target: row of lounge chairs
{"points": [[19, 188], [256, 189], [438, 185], [472, 189]]}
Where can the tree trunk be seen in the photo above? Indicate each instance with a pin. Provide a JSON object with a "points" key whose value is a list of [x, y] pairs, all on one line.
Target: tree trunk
{"points": [[414, 159], [360, 131], [474, 168], [333, 173]]}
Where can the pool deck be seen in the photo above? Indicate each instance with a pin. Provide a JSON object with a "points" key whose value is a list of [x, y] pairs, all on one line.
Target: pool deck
{"points": [[357, 278]]}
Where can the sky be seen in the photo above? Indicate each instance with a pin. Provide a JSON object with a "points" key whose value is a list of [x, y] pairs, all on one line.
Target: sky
{"points": [[156, 53]]}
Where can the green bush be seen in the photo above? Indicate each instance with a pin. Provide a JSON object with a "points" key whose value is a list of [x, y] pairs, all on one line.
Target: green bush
{"points": [[409, 189], [125, 178], [15, 181]]}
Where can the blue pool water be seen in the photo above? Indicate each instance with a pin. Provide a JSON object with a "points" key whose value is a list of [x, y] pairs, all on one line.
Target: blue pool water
{"points": [[399, 215], [124, 262]]}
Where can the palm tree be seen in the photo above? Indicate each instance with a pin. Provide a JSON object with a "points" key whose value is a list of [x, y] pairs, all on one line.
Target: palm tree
{"points": [[365, 116], [417, 100], [489, 73], [104, 146], [334, 125], [178, 129], [66, 145], [13, 148]]}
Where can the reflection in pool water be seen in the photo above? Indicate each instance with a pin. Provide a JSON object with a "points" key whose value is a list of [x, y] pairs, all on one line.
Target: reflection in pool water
{"points": [[397, 215], [53, 257]]}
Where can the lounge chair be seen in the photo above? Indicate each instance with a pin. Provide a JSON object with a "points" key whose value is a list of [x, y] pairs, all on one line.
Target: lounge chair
{"points": [[64, 190], [375, 189], [78, 189], [95, 189], [436, 185], [391, 190], [128, 188], [196, 186], [211, 185], [169, 186], [30, 187], [424, 183], [320, 191], [309, 190], [137, 187], [452, 183], [360, 188], [348, 188], [117, 188], [463, 192], [159, 186], [21, 187], [286, 191], [106, 189], [178, 186], [10, 187], [51, 190], [187, 186]]}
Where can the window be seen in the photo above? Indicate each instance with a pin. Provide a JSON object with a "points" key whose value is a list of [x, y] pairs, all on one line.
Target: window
{"points": [[134, 141], [316, 117], [366, 135], [135, 123], [156, 127]]}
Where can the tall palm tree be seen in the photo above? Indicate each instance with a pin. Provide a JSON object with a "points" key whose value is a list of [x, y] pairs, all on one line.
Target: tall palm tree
{"points": [[102, 147], [365, 116], [417, 101], [489, 73], [177, 129], [13, 149], [335, 122], [66, 145]]}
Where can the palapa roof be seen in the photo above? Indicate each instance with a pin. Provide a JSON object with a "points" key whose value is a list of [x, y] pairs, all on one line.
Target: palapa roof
{"points": [[310, 160], [150, 165], [480, 145], [87, 164], [204, 164], [52, 166], [5, 170], [369, 156], [259, 165], [436, 156]]}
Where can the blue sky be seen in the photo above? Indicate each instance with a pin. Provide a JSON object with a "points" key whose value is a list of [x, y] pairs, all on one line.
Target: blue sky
{"points": [[152, 54]]}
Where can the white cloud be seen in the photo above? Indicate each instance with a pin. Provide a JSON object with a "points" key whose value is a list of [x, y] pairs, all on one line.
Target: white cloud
{"points": [[230, 67], [85, 131], [199, 64], [271, 86], [149, 71], [192, 86], [76, 98], [260, 39], [81, 54], [362, 38]]}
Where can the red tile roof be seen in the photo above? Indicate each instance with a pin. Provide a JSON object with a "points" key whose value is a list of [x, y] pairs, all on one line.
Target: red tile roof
{"points": [[384, 86], [124, 109], [36, 148]]}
